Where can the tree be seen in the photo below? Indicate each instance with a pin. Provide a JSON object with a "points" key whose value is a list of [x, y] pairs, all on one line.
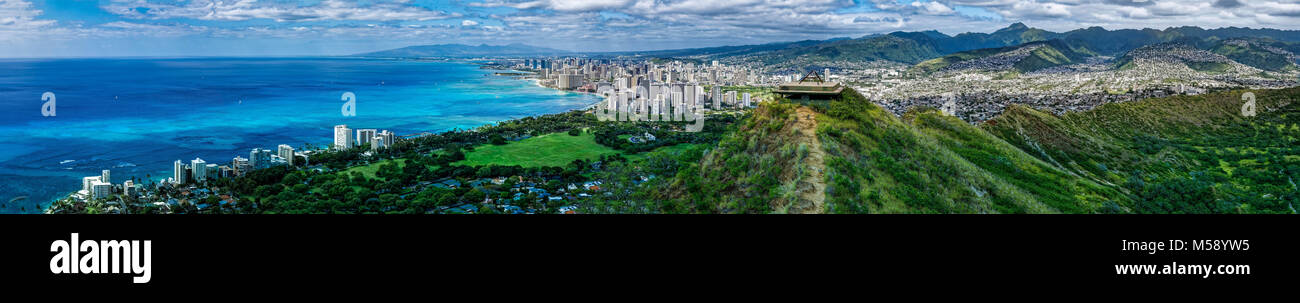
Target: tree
{"points": [[474, 196], [292, 179], [447, 199], [1183, 195]]}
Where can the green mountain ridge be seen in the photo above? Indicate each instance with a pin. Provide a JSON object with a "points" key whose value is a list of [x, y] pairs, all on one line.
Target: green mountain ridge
{"points": [[918, 47], [1023, 58], [1183, 154], [1255, 54]]}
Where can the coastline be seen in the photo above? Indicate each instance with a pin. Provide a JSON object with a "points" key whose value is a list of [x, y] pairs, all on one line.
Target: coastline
{"points": [[158, 177], [538, 82]]}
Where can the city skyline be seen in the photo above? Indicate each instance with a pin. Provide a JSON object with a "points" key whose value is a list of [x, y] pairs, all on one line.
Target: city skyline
{"points": [[120, 28]]}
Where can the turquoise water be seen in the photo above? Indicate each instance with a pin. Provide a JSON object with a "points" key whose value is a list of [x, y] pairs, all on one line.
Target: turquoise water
{"points": [[135, 117]]}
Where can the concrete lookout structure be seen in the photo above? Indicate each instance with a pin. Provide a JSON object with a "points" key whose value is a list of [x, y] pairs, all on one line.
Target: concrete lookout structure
{"points": [[810, 87]]}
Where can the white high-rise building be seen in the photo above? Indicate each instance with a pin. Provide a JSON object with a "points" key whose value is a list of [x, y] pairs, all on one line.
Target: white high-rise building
{"points": [[101, 189], [377, 143], [746, 98], [642, 107], [390, 138], [241, 165], [105, 176], [383, 139], [655, 110], [259, 158], [199, 169], [623, 105], [689, 94], [673, 110], [364, 136], [342, 137], [699, 97], [716, 97], [680, 110], [96, 187], [569, 81], [212, 172], [88, 183], [128, 188], [285, 151], [178, 172]]}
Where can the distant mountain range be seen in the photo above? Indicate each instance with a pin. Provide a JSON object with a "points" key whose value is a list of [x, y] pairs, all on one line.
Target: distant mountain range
{"points": [[1023, 58], [1266, 49]]}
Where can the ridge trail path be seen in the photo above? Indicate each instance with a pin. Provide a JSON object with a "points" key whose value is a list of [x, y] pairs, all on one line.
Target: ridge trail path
{"points": [[812, 185]]}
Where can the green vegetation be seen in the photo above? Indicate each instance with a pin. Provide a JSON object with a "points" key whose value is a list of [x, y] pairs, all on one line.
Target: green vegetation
{"points": [[876, 163], [1185, 154], [928, 162], [371, 169], [1254, 56], [556, 149], [1182, 154], [888, 47], [744, 172], [934, 65], [1047, 54]]}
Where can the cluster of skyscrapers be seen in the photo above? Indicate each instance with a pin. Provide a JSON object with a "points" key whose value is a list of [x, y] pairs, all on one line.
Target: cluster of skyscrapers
{"points": [[101, 186], [667, 99], [377, 139], [199, 171], [667, 89]]}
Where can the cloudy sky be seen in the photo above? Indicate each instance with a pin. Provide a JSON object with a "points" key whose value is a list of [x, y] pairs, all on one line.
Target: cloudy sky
{"points": [[76, 28]]}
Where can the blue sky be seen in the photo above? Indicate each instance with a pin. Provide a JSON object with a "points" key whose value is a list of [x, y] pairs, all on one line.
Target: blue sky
{"points": [[99, 28]]}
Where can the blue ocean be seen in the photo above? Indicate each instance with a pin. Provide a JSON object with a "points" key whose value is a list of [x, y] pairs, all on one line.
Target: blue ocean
{"points": [[136, 116]]}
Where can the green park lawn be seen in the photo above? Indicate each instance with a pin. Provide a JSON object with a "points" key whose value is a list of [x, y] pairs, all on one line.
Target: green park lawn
{"points": [[556, 149], [370, 169]]}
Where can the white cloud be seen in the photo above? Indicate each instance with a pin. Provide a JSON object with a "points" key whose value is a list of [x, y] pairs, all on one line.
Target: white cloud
{"points": [[239, 10], [933, 8], [559, 5], [20, 15], [19, 20], [629, 24]]}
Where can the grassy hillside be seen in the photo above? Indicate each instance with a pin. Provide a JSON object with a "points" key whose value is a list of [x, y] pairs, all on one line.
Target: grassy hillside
{"points": [[928, 162], [755, 169], [1254, 55], [936, 64], [886, 47], [1050, 55], [1183, 154], [1040, 55], [555, 149], [862, 159]]}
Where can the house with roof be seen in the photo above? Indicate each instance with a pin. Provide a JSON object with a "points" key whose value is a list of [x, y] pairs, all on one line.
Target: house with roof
{"points": [[447, 184], [569, 209]]}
